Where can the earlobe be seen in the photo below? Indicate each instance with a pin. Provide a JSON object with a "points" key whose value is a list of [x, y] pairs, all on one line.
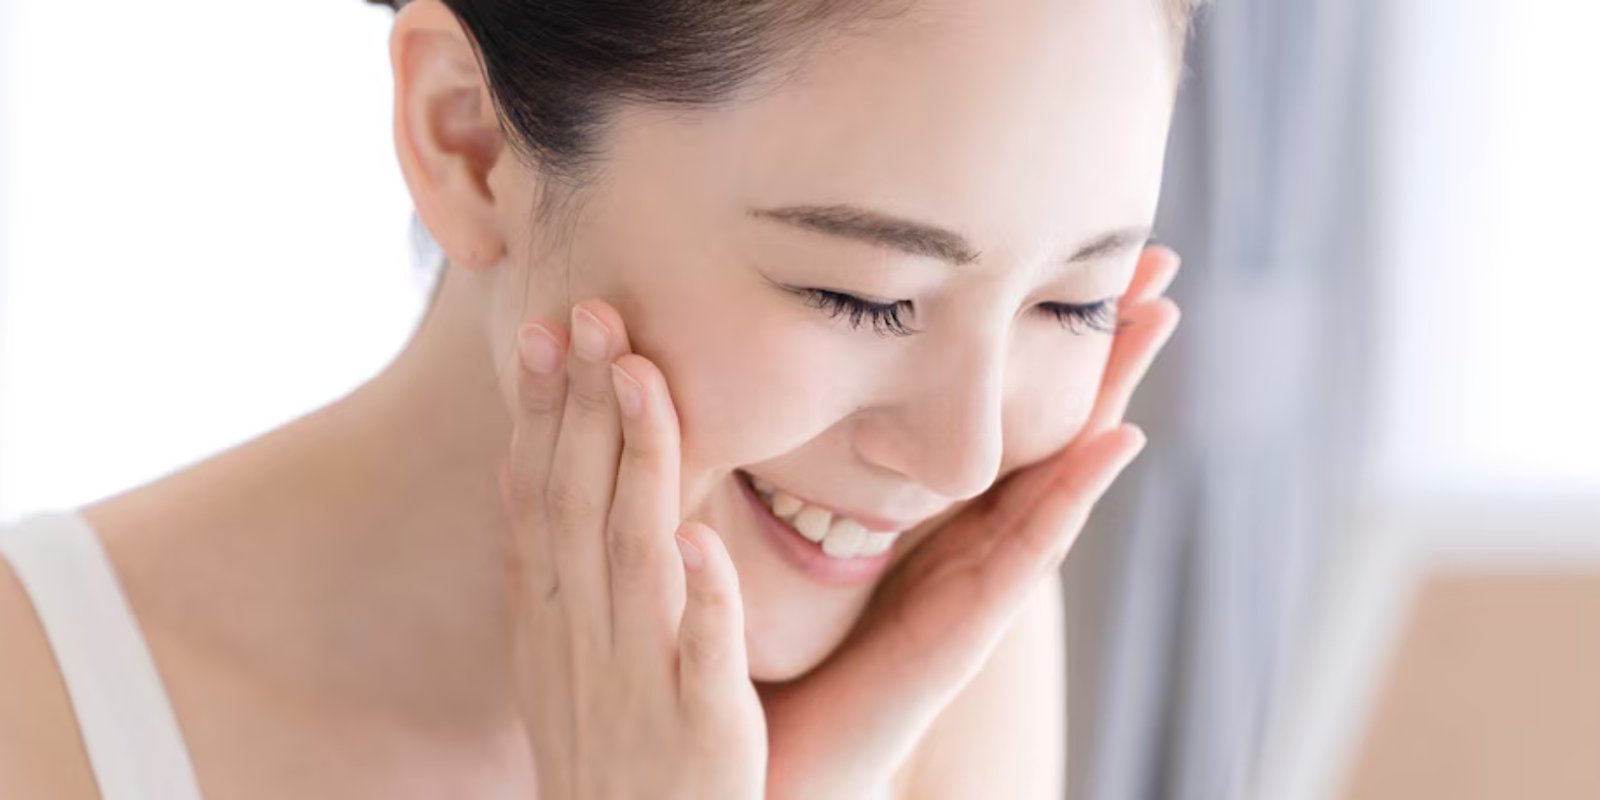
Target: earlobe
{"points": [[447, 135]]}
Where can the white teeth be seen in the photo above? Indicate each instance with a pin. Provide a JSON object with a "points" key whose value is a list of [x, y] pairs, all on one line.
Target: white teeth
{"points": [[812, 522], [785, 506], [876, 542], [845, 537], [840, 537]]}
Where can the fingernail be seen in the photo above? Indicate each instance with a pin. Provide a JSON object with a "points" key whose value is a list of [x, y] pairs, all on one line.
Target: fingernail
{"points": [[588, 335], [540, 350], [630, 395], [692, 557]]}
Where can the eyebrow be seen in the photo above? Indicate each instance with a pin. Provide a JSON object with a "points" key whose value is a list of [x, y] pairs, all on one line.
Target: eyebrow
{"points": [[923, 239]]}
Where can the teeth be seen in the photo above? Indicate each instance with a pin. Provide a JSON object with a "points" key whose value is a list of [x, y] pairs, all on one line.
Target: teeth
{"points": [[812, 522], [785, 506], [840, 537], [845, 537], [876, 542]]}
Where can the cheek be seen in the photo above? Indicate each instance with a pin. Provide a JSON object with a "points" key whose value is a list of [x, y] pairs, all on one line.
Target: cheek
{"points": [[1051, 399], [749, 384]]}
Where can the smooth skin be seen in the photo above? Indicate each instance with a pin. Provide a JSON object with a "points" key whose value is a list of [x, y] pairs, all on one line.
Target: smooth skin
{"points": [[627, 657], [328, 602]]}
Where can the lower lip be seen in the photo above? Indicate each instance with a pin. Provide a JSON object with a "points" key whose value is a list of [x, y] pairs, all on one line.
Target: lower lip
{"points": [[806, 555]]}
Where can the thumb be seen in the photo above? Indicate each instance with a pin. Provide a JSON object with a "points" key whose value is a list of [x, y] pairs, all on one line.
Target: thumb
{"points": [[712, 661]]}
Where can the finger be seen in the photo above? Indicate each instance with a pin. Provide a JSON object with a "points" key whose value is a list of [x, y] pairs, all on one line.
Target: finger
{"points": [[1148, 328], [1158, 266], [540, 394], [646, 573], [539, 653], [584, 470], [712, 663], [1041, 518], [957, 592]]}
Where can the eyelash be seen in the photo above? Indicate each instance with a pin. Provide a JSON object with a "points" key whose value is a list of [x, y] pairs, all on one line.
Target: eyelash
{"points": [[888, 319], [1075, 317]]}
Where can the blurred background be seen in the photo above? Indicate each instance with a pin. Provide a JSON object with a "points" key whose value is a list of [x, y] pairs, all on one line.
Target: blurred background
{"points": [[1361, 557]]}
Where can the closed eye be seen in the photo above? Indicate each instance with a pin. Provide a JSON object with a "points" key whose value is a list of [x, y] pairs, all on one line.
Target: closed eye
{"points": [[888, 319], [1078, 317]]}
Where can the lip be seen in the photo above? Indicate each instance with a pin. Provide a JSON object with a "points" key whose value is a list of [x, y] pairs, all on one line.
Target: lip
{"points": [[807, 556]]}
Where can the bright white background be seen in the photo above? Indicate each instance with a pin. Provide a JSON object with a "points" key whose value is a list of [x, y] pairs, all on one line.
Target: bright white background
{"points": [[203, 234], [203, 231], [1491, 374]]}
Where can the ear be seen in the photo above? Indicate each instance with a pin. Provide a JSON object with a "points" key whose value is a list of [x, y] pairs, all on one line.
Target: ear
{"points": [[446, 133]]}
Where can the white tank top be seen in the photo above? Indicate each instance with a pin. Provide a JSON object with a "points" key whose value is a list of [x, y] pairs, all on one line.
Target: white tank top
{"points": [[135, 747], [129, 731]]}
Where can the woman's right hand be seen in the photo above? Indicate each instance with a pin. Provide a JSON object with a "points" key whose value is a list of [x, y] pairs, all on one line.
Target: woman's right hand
{"points": [[631, 669]]}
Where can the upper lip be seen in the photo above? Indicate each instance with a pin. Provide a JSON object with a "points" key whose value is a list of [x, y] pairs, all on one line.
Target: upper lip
{"points": [[871, 522]]}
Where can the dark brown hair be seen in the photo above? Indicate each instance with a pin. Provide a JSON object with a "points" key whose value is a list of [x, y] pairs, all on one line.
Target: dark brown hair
{"points": [[556, 68]]}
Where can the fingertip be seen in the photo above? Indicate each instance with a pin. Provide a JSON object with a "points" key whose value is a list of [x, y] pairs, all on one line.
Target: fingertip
{"points": [[717, 563], [1173, 256], [638, 368], [692, 552], [607, 316], [630, 395], [698, 534], [540, 347], [1134, 441], [1163, 251], [1136, 437], [1153, 277], [710, 635], [658, 402]]}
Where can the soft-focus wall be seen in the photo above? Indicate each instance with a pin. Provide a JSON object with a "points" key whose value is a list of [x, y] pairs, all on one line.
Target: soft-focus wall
{"points": [[203, 232], [1491, 375]]}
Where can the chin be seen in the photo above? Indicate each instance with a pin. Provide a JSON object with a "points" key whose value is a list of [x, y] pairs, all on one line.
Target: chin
{"points": [[798, 635], [778, 661]]}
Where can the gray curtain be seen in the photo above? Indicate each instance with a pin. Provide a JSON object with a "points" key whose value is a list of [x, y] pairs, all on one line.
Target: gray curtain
{"points": [[1185, 590]]}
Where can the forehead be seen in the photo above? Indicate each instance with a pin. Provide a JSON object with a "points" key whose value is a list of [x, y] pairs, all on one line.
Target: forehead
{"points": [[1027, 124]]}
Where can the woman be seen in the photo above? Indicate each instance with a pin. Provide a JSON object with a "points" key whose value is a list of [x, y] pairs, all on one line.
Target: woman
{"points": [[856, 288]]}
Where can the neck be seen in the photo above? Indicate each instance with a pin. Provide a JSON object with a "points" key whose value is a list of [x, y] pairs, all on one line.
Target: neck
{"points": [[353, 553], [411, 486]]}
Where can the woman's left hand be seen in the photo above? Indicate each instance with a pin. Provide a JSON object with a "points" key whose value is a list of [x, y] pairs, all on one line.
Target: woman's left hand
{"points": [[842, 730]]}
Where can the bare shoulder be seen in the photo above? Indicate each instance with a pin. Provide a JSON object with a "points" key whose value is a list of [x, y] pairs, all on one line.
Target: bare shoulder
{"points": [[1004, 735], [41, 753]]}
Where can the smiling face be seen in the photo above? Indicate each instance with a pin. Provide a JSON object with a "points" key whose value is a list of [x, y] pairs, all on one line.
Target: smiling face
{"points": [[993, 165]]}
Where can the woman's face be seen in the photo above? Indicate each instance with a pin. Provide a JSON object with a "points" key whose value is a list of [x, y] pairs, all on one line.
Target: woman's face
{"points": [[998, 159]]}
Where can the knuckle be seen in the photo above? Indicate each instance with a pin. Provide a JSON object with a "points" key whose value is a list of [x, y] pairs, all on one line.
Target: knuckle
{"points": [[715, 602], [520, 491], [642, 449], [567, 504], [539, 398], [703, 649], [629, 552], [589, 398], [643, 460]]}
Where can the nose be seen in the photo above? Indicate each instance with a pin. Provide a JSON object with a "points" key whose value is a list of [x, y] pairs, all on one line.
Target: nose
{"points": [[942, 426]]}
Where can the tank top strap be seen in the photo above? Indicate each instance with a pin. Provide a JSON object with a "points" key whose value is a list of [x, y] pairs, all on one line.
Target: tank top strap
{"points": [[135, 747]]}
